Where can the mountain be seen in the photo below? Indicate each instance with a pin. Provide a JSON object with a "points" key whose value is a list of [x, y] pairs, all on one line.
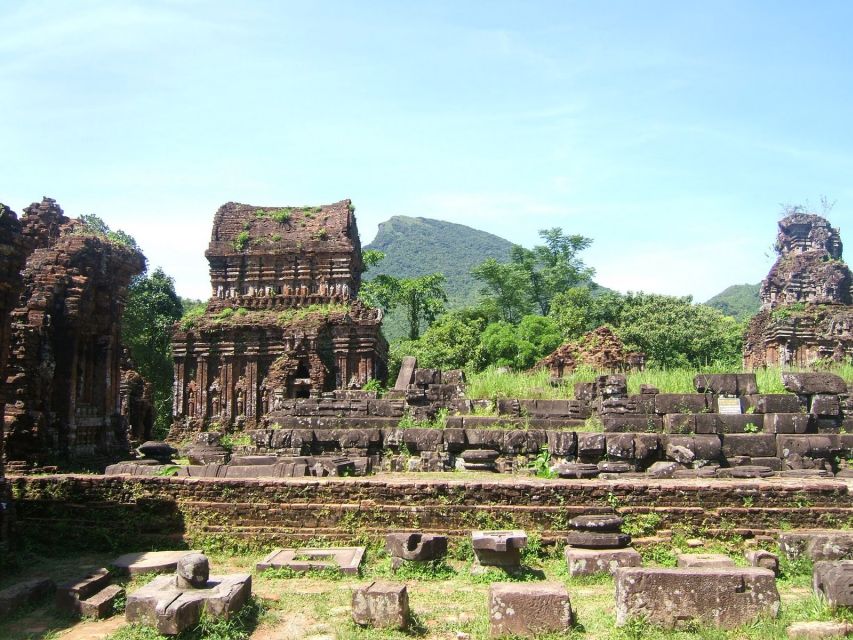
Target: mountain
{"points": [[419, 246], [739, 300]]}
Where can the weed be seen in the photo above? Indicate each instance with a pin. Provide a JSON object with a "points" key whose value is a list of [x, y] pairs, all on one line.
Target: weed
{"points": [[241, 241]]}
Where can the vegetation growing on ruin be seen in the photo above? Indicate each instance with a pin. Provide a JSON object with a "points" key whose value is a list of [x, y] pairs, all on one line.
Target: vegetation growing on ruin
{"points": [[94, 225], [241, 241]]}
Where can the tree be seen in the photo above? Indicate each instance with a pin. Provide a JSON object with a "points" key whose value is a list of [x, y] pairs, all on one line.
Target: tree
{"points": [[451, 342], [152, 308], [581, 309], [95, 225], [520, 346], [533, 277], [674, 332], [422, 298], [506, 291]]}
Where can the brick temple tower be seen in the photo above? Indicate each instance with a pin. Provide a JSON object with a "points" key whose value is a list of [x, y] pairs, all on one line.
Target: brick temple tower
{"points": [[283, 320]]}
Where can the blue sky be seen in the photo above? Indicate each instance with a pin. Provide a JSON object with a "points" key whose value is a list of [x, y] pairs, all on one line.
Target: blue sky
{"points": [[669, 132]]}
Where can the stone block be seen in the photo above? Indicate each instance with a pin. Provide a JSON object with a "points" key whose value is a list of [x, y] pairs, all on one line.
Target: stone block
{"points": [[381, 604], [614, 423], [134, 564], [680, 423], [812, 383], [584, 562], [662, 469], [680, 403], [748, 444], [646, 446], [671, 598], [704, 561], [498, 548], [591, 445], [763, 560], [729, 384], [786, 423], [819, 630], [773, 403], [529, 609], [834, 581], [619, 446], [407, 373], [817, 544], [577, 470], [825, 405], [24, 594], [597, 523], [70, 594], [170, 609], [416, 546], [598, 539]]}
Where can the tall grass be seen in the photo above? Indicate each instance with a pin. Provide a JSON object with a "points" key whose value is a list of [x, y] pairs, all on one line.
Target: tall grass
{"points": [[497, 383]]}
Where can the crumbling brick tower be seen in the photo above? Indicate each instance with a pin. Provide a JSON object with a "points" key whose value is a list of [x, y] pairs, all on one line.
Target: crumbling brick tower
{"points": [[806, 313], [64, 370], [283, 320], [13, 252]]}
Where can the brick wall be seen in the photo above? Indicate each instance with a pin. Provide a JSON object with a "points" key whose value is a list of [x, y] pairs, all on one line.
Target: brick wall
{"points": [[123, 513]]}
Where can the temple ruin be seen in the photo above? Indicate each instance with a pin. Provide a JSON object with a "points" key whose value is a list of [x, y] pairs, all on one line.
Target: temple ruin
{"points": [[283, 320], [64, 372], [806, 313], [599, 349]]}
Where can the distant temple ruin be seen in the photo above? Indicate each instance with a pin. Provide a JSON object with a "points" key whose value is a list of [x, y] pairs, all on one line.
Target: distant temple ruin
{"points": [[283, 320], [806, 313], [600, 350], [65, 357]]}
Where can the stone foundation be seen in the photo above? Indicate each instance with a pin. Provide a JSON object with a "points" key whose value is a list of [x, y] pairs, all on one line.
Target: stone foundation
{"points": [[90, 512]]}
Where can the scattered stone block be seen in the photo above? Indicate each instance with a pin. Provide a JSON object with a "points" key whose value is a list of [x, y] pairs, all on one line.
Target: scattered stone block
{"points": [[704, 561], [407, 373], [91, 596], [529, 609], [133, 564], [598, 540], [671, 598], [585, 562], [415, 547], [381, 604], [600, 523], [730, 384], [498, 548], [834, 581], [577, 470], [825, 405], [819, 630], [817, 544], [24, 594], [662, 469], [345, 559], [763, 560], [170, 609], [812, 383], [480, 459]]}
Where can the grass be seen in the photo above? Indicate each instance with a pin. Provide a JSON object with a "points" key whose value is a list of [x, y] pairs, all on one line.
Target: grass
{"points": [[445, 599], [494, 383]]}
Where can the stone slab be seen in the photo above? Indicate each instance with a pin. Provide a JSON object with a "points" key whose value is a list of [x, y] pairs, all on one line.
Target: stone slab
{"points": [[585, 562], [102, 604], [134, 564], [346, 559], [763, 560], [819, 630], [817, 544], [704, 561], [672, 598], [529, 609], [407, 373], [597, 540]]}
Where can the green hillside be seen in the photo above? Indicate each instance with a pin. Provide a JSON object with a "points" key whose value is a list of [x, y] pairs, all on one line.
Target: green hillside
{"points": [[419, 246], [739, 300]]}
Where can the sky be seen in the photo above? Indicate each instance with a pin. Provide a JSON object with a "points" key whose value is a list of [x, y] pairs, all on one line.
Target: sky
{"points": [[668, 132]]}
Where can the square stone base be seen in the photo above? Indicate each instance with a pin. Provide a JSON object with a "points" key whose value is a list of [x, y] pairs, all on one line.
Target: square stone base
{"points": [[528, 609], [587, 562]]}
